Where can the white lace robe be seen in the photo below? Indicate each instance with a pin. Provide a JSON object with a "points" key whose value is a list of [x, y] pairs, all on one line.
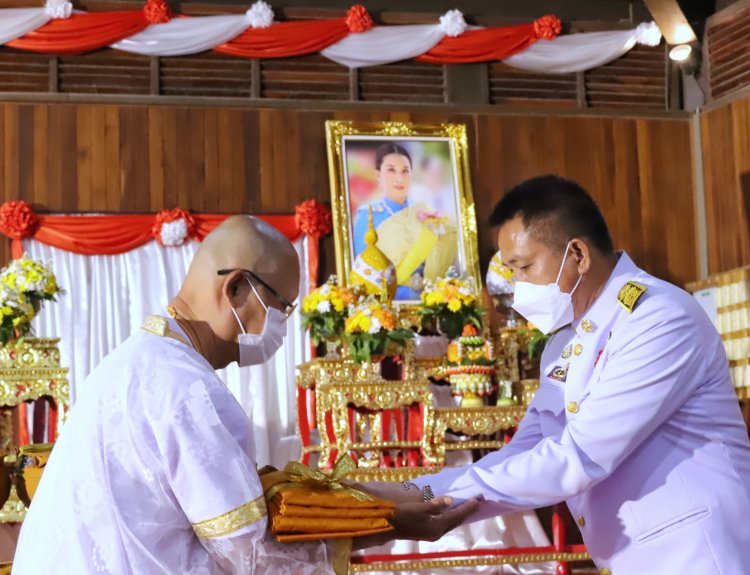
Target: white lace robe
{"points": [[154, 473]]}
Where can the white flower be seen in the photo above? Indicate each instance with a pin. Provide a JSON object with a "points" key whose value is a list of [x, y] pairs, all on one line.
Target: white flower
{"points": [[453, 23], [326, 289], [375, 325], [324, 307], [259, 15], [648, 34], [174, 233], [58, 8]]}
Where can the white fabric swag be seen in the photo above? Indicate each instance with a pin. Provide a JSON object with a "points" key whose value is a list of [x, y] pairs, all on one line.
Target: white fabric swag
{"points": [[108, 298]]}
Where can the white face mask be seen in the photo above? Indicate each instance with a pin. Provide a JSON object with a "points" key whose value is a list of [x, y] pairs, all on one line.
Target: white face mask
{"points": [[257, 348], [546, 306]]}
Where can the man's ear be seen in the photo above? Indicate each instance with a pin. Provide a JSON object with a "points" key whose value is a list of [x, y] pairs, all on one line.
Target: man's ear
{"points": [[234, 288], [581, 254]]}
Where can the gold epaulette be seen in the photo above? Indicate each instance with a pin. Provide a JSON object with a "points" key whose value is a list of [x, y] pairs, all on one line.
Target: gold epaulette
{"points": [[629, 295]]}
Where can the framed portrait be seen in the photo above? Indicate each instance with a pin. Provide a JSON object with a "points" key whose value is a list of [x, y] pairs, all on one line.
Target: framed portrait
{"points": [[415, 181]]}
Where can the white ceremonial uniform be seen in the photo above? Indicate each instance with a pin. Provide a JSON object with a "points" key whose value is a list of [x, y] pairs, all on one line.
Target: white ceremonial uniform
{"points": [[637, 426], [154, 473]]}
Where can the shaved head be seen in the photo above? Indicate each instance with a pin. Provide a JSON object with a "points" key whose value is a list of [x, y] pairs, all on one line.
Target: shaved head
{"points": [[245, 242], [207, 298]]}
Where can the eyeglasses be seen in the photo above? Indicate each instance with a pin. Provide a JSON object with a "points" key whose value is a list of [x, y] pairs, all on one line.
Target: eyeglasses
{"points": [[287, 306]]}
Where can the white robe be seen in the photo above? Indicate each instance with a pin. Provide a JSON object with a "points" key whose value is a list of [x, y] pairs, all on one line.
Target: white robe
{"points": [[154, 473]]}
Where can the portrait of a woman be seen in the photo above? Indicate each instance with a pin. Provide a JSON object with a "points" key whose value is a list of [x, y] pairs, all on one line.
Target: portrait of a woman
{"points": [[420, 243]]}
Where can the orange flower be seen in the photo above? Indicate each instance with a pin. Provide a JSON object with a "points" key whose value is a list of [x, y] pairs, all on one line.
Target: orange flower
{"points": [[358, 19], [18, 220], [547, 27]]}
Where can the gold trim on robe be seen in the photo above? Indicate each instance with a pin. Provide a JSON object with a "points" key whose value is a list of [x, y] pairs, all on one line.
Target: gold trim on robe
{"points": [[233, 520], [158, 325]]}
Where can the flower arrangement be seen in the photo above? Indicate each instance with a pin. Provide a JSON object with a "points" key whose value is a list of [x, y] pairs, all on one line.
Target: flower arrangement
{"points": [[25, 285], [325, 310], [451, 302], [371, 328]]}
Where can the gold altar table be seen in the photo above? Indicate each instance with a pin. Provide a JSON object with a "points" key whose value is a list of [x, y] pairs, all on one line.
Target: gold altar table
{"points": [[30, 371]]}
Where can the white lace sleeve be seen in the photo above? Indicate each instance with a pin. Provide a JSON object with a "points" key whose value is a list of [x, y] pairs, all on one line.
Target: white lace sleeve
{"points": [[244, 554]]}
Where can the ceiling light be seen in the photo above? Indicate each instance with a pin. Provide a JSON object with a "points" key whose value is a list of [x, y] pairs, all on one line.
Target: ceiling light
{"points": [[680, 53]]}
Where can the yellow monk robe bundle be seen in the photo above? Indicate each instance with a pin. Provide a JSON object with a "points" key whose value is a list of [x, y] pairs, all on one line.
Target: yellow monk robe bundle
{"points": [[306, 504]]}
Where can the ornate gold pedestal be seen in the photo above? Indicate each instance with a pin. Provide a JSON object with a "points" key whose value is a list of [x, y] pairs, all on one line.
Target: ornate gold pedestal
{"points": [[29, 370]]}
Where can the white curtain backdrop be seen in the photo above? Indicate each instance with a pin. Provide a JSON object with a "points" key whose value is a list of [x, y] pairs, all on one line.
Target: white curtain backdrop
{"points": [[108, 298]]}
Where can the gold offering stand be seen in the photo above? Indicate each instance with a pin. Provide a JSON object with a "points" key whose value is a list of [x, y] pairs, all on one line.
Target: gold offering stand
{"points": [[29, 371], [395, 432]]}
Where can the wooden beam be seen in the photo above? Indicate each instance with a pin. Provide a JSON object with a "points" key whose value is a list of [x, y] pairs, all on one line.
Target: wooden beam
{"points": [[671, 21]]}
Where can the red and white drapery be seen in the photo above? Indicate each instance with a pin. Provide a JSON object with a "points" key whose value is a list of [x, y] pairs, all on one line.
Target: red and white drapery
{"points": [[352, 41], [119, 268]]}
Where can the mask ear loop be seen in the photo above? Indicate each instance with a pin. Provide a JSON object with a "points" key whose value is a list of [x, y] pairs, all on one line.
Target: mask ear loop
{"points": [[562, 265], [260, 299]]}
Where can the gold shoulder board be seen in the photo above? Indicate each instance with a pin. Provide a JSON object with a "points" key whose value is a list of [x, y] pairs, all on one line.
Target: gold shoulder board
{"points": [[629, 295]]}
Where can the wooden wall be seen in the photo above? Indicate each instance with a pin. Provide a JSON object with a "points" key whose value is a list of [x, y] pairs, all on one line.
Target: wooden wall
{"points": [[130, 158], [726, 166]]}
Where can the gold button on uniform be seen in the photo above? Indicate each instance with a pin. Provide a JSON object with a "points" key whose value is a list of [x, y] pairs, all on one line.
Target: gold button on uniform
{"points": [[581, 521], [573, 407], [578, 349], [588, 326], [606, 571]]}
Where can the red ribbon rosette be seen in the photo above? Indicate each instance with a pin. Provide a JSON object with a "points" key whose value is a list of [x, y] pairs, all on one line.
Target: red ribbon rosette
{"points": [[358, 19], [547, 27], [157, 11], [313, 219], [18, 220], [173, 227]]}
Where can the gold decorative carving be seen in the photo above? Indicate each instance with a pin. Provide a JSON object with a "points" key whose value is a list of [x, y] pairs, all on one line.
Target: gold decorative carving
{"points": [[485, 420], [435, 564], [391, 474], [30, 369]]}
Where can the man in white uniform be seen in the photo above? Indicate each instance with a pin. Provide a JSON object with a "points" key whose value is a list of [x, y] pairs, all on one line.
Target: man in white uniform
{"points": [[636, 424], [154, 472]]}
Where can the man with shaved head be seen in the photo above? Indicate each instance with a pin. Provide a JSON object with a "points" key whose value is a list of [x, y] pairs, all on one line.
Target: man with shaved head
{"points": [[155, 470]]}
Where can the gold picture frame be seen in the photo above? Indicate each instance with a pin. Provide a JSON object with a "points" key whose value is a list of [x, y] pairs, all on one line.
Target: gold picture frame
{"points": [[446, 142]]}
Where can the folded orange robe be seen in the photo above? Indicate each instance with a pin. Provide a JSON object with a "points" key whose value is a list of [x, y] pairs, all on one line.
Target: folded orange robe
{"points": [[304, 504]]}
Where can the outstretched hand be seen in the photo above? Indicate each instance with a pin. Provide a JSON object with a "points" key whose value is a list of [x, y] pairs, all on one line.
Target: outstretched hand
{"points": [[431, 520]]}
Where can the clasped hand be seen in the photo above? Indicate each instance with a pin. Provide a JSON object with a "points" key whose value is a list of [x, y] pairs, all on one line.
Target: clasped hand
{"points": [[415, 519]]}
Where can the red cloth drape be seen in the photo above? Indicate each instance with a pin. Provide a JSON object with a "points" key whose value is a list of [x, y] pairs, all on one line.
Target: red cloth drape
{"points": [[481, 45], [82, 32], [490, 44], [286, 39], [117, 234]]}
